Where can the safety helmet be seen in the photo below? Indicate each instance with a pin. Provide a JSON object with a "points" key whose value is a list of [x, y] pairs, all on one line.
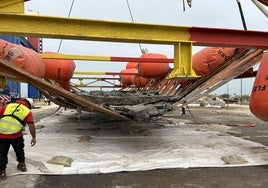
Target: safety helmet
{"points": [[30, 102], [25, 101]]}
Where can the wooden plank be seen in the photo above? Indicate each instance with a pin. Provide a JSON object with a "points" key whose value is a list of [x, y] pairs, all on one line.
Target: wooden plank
{"points": [[221, 76], [61, 96]]}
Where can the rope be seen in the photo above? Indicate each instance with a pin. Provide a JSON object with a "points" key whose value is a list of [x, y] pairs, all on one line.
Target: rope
{"points": [[195, 120], [132, 18], [143, 51], [69, 14]]}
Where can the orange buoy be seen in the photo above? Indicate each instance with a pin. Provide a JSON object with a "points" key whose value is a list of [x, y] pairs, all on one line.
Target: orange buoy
{"points": [[126, 80], [22, 57], [139, 81], [59, 70], [259, 95], [132, 65], [153, 70], [210, 58]]}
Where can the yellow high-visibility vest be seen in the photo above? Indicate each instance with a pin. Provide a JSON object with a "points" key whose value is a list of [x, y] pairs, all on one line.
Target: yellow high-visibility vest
{"points": [[12, 120]]}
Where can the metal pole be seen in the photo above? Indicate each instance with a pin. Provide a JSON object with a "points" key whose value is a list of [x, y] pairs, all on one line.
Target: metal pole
{"points": [[241, 92], [227, 95], [245, 28], [241, 14]]}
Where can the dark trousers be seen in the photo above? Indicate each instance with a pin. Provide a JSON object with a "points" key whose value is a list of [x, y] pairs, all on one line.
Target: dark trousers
{"points": [[18, 146]]}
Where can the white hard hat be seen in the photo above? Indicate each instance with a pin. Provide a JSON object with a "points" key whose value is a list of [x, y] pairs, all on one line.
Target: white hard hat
{"points": [[30, 101]]}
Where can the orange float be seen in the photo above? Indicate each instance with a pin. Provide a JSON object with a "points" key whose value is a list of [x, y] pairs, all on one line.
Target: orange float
{"points": [[126, 80], [25, 58], [59, 70], [139, 81], [132, 65], [259, 96], [154, 70], [209, 58]]}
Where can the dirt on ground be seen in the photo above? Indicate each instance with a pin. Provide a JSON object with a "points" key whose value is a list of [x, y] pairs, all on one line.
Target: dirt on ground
{"points": [[235, 120]]}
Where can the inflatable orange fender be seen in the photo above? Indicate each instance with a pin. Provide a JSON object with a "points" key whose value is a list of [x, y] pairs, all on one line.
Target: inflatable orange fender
{"points": [[22, 57], [132, 65], [126, 80], [207, 59], [259, 95], [59, 70], [154, 70], [139, 81]]}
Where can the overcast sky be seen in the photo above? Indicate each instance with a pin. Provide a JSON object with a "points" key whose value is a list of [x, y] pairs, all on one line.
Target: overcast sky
{"points": [[204, 13]]}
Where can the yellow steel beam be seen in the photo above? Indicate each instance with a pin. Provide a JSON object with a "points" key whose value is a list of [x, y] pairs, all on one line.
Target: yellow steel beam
{"points": [[12, 6], [86, 86], [89, 73], [95, 78], [102, 73], [82, 29], [75, 57], [182, 61], [97, 30]]}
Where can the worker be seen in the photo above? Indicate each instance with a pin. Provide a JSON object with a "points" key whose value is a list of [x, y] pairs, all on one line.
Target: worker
{"points": [[182, 110], [14, 117], [47, 101]]}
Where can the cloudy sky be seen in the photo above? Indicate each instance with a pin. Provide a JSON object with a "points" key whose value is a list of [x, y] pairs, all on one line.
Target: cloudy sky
{"points": [[204, 13]]}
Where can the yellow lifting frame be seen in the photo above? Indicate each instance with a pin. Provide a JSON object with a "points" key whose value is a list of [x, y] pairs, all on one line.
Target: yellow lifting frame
{"points": [[81, 29], [74, 57], [182, 61], [12, 6]]}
